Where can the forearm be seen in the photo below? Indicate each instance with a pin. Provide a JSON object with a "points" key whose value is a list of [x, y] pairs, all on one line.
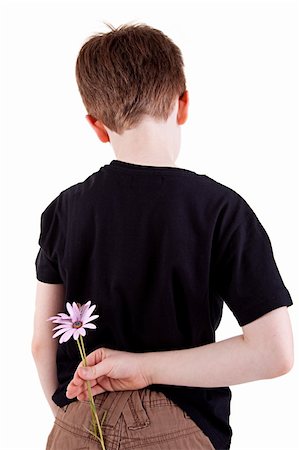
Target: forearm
{"points": [[45, 361], [49, 300], [224, 363]]}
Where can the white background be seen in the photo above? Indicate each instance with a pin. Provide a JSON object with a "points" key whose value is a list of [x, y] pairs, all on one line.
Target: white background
{"points": [[241, 62]]}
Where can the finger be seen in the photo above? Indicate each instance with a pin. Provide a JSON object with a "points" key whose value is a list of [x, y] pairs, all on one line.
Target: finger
{"points": [[95, 357], [92, 359], [93, 372], [76, 384], [95, 390], [77, 379], [74, 390], [82, 387]]}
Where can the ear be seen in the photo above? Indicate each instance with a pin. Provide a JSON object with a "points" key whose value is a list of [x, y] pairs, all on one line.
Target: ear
{"points": [[99, 128], [183, 108]]}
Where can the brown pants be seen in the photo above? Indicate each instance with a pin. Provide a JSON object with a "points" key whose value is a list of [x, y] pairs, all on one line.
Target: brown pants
{"points": [[141, 419]]}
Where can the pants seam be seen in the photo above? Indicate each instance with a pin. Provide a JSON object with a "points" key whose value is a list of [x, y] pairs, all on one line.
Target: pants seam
{"points": [[138, 421], [84, 435], [162, 438], [154, 403]]}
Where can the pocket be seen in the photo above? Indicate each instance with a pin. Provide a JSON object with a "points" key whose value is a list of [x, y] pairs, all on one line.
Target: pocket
{"points": [[61, 410]]}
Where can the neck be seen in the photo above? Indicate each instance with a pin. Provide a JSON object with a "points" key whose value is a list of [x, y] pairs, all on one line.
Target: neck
{"points": [[151, 143]]}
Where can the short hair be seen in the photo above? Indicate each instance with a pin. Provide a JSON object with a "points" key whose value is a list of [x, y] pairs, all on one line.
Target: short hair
{"points": [[128, 72]]}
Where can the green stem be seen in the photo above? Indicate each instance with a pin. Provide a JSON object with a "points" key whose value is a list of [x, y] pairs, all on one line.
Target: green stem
{"points": [[81, 353], [83, 349], [90, 403], [94, 415]]}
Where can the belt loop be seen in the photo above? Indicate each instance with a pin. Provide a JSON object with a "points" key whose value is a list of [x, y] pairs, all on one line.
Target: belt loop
{"points": [[134, 414], [113, 406]]}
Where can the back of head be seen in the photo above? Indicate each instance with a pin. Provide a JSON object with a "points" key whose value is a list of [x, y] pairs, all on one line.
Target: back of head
{"points": [[129, 72]]}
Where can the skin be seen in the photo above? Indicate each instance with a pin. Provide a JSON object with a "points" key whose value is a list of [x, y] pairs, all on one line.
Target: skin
{"points": [[264, 349], [152, 142], [49, 301]]}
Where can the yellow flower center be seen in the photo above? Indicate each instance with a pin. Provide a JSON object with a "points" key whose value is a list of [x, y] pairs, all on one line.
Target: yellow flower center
{"points": [[77, 324]]}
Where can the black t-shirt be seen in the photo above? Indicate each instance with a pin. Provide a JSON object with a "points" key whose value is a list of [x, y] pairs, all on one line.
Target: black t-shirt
{"points": [[158, 250]]}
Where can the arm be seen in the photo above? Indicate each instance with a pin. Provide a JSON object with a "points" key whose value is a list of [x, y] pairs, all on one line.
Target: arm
{"points": [[49, 301], [264, 350]]}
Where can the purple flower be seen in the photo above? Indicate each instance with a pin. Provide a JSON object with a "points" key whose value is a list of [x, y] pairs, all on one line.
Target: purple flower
{"points": [[75, 323]]}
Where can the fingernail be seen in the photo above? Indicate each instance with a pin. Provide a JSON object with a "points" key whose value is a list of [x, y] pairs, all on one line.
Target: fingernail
{"points": [[84, 371]]}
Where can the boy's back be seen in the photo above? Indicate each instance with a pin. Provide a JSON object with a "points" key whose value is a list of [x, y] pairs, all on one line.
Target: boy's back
{"points": [[157, 250]]}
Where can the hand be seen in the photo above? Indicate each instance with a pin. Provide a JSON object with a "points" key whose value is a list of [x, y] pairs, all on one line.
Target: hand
{"points": [[109, 370]]}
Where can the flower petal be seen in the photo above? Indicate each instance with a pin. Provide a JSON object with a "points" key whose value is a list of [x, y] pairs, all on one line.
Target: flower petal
{"points": [[84, 307], [59, 320], [89, 325], [84, 312], [64, 316], [91, 318], [82, 331], [66, 326], [70, 310], [59, 332], [88, 312], [76, 312], [53, 318], [61, 340], [65, 337], [76, 333]]}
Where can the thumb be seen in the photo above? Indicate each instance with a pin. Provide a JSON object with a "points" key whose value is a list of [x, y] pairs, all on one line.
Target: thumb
{"points": [[93, 372]]}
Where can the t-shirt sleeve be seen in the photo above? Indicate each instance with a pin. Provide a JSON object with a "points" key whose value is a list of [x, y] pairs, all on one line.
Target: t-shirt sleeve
{"points": [[247, 277], [47, 263]]}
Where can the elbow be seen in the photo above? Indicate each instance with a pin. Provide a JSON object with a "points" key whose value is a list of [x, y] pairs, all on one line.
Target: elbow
{"points": [[37, 347], [283, 364], [41, 346], [286, 366], [271, 341]]}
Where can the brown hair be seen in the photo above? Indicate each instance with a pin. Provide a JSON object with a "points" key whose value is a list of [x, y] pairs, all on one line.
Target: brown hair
{"points": [[128, 72]]}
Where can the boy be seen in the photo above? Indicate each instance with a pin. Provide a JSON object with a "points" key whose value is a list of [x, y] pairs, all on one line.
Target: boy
{"points": [[158, 249]]}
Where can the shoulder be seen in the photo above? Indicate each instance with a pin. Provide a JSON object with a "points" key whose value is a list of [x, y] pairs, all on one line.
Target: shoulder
{"points": [[81, 189], [222, 191], [229, 209], [71, 195], [210, 185], [224, 197]]}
